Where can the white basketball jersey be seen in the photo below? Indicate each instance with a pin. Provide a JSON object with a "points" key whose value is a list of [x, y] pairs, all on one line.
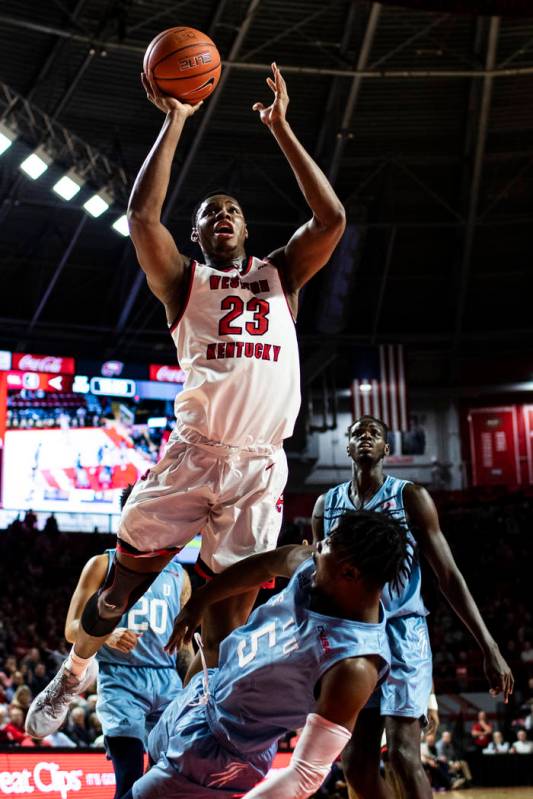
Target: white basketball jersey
{"points": [[236, 343]]}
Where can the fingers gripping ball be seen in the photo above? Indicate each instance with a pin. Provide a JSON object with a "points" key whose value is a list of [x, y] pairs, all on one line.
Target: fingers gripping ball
{"points": [[185, 64]]}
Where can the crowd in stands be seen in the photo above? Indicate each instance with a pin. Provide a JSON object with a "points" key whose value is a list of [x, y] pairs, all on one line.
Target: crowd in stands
{"points": [[490, 540]]}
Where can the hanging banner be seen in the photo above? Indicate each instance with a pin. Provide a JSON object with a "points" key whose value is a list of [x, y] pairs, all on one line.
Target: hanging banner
{"points": [[527, 411], [494, 446]]}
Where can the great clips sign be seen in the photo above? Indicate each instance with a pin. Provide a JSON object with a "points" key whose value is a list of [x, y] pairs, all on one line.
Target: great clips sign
{"points": [[56, 776], [28, 362], [166, 374]]}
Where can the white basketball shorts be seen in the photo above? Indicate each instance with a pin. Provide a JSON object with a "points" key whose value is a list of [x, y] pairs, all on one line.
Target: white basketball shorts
{"points": [[232, 497]]}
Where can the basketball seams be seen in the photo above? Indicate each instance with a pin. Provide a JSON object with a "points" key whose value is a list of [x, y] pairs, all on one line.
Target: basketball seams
{"points": [[179, 49], [187, 77]]}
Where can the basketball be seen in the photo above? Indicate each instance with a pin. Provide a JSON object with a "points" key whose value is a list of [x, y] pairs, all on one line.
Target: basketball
{"points": [[185, 64]]}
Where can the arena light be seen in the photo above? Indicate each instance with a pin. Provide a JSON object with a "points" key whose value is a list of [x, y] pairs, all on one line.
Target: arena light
{"points": [[69, 185], [121, 225], [7, 137], [98, 203], [365, 387], [36, 163]]}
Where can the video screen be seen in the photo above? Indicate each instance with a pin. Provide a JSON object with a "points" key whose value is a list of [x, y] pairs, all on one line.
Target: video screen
{"points": [[76, 452]]}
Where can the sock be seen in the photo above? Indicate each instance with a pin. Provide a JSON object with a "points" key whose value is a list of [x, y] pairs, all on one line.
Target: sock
{"points": [[76, 664]]}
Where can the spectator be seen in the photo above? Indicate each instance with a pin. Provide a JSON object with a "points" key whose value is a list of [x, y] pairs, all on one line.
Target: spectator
{"points": [[6, 675], [23, 698], [59, 738], [31, 659], [522, 746], [77, 727], [447, 753], [95, 727], [437, 772], [497, 746], [481, 731], [50, 525], [16, 682], [30, 520], [526, 656], [39, 679], [13, 731]]}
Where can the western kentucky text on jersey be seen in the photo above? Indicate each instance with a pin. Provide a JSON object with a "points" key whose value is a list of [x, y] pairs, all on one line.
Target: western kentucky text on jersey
{"points": [[225, 282], [239, 390], [242, 349]]}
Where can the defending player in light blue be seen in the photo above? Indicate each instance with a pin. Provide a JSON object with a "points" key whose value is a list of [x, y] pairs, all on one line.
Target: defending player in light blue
{"points": [[407, 689], [137, 678], [135, 686], [310, 657], [402, 701]]}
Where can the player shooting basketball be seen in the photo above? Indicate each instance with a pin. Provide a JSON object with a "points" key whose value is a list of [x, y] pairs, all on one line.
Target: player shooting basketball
{"points": [[232, 320]]}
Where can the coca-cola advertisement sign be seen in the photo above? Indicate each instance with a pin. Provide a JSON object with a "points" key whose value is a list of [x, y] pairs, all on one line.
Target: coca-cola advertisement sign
{"points": [[163, 373], [28, 362]]}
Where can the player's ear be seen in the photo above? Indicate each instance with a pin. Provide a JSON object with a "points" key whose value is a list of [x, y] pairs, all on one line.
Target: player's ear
{"points": [[194, 235], [387, 450], [349, 573], [245, 232]]}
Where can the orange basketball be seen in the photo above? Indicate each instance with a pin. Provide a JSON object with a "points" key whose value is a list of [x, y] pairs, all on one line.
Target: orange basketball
{"points": [[185, 64]]}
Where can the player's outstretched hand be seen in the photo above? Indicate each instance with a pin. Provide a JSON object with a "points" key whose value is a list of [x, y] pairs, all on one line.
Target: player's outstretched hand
{"points": [[274, 114], [163, 101], [123, 639], [187, 621], [498, 674]]}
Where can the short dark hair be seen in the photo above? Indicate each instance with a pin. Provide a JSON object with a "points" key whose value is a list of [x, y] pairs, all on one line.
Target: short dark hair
{"points": [[376, 544], [370, 418], [213, 193], [124, 496]]}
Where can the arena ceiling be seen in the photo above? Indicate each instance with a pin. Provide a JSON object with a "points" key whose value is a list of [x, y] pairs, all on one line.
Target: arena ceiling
{"points": [[424, 121]]}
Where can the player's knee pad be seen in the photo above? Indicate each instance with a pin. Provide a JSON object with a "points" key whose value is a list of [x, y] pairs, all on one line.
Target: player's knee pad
{"points": [[119, 592]]}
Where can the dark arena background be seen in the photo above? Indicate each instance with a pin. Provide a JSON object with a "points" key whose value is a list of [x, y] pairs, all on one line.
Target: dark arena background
{"points": [[421, 115]]}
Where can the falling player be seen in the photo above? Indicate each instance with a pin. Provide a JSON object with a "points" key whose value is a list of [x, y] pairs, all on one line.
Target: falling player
{"points": [[322, 640], [402, 701], [137, 678], [232, 322]]}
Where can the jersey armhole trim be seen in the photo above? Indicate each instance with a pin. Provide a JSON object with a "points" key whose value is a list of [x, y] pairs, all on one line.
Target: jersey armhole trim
{"points": [[283, 287], [181, 313]]}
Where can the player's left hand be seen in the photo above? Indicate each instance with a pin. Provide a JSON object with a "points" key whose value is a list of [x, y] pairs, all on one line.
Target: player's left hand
{"points": [[187, 621], [123, 639], [498, 674], [274, 114]]}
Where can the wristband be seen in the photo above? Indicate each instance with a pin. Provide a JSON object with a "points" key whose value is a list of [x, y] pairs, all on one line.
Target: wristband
{"points": [[432, 702]]}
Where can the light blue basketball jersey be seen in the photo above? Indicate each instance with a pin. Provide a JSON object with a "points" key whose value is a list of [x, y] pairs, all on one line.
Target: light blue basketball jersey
{"points": [[269, 669], [152, 615], [388, 499]]}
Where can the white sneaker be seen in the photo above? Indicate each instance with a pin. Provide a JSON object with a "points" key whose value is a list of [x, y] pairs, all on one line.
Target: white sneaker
{"points": [[49, 708]]}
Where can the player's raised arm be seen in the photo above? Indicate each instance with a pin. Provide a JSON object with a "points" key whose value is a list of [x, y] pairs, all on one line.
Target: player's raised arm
{"points": [[156, 249], [312, 244], [236, 579], [423, 515]]}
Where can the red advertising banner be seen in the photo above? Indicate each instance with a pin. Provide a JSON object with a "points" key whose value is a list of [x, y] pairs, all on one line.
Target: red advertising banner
{"points": [[34, 381], [56, 776], [494, 446], [71, 775], [163, 373], [28, 362]]}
